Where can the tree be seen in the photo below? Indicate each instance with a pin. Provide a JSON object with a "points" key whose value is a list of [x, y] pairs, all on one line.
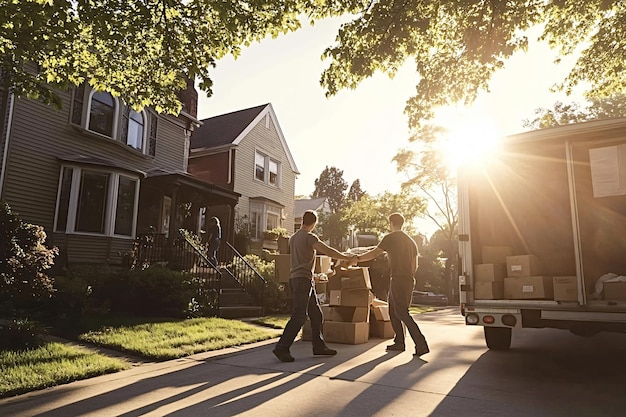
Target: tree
{"points": [[140, 50], [331, 185], [370, 214], [457, 46], [355, 193], [332, 227], [561, 114]]}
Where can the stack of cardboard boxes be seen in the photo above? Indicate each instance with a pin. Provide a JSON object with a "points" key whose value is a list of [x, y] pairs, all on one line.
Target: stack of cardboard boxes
{"points": [[352, 314], [503, 275]]}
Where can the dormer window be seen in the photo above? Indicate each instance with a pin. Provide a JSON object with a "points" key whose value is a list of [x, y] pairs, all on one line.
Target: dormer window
{"points": [[102, 109], [133, 129], [104, 115]]}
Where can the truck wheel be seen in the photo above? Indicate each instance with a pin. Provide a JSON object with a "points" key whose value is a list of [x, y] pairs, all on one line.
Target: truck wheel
{"points": [[498, 338]]}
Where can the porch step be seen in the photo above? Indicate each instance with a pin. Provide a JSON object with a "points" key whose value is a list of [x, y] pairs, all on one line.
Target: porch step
{"points": [[236, 312]]}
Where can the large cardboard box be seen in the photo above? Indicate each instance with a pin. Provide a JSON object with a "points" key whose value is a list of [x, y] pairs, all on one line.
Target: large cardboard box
{"points": [[355, 278], [282, 267], [523, 266], [489, 290], [322, 264], [565, 288], [489, 272], [528, 288], [495, 254], [321, 287], [380, 312], [381, 329], [615, 291], [342, 332], [353, 298], [346, 314], [334, 282]]}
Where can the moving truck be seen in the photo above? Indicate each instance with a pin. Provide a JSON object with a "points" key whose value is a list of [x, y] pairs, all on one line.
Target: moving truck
{"points": [[542, 232]]}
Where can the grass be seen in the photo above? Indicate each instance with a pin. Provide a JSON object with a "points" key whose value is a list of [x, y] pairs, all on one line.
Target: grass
{"points": [[274, 322], [51, 364], [175, 339]]}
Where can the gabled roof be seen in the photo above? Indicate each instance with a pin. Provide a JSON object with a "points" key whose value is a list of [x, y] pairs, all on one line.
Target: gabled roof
{"points": [[230, 129], [308, 204]]}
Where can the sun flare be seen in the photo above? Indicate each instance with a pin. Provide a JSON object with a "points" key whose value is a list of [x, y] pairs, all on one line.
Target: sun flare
{"points": [[471, 140]]}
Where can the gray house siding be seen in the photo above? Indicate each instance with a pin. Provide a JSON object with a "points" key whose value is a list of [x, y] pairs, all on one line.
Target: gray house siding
{"points": [[266, 140], [41, 137]]}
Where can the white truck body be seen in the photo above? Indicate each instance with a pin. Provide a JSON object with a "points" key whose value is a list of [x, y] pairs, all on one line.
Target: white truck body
{"points": [[559, 194]]}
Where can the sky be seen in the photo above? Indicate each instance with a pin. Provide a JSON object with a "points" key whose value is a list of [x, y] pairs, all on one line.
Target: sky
{"points": [[359, 131]]}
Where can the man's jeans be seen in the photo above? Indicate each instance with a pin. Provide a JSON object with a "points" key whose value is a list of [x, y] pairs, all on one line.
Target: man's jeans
{"points": [[304, 303]]}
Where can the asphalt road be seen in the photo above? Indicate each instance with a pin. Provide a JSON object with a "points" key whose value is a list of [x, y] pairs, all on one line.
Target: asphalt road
{"points": [[546, 373]]}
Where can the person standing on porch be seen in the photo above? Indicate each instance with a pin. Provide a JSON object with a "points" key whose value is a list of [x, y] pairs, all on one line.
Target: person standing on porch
{"points": [[303, 246], [214, 239]]}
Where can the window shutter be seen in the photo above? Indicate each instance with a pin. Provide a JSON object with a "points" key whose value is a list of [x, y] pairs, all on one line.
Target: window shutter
{"points": [[77, 105], [153, 135]]}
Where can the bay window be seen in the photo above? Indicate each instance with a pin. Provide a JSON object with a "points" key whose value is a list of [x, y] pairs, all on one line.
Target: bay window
{"points": [[96, 202]]}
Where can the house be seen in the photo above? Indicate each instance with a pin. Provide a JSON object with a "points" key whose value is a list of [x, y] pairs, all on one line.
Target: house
{"points": [[96, 174], [246, 152], [319, 204]]}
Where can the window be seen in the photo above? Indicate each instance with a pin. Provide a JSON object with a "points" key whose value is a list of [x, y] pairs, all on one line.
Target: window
{"points": [[96, 202], [266, 169], [264, 216], [102, 113], [133, 128]]}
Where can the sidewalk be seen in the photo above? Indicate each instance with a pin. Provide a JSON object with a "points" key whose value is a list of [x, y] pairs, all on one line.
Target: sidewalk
{"points": [[248, 380]]}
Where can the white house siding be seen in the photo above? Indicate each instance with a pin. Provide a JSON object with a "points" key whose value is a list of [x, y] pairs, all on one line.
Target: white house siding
{"points": [[40, 134], [265, 140]]}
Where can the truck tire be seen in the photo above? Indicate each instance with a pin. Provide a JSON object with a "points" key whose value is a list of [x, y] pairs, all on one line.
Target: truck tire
{"points": [[498, 338]]}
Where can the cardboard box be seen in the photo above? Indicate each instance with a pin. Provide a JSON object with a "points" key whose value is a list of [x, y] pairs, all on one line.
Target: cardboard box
{"points": [[528, 288], [334, 282], [379, 302], [322, 264], [355, 278], [282, 267], [522, 266], [345, 314], [341, 332], [565, 288], [489, 290], [489, 272], [380, 313], [615, 291], [381, 329], [495, 254], [352, 298]]}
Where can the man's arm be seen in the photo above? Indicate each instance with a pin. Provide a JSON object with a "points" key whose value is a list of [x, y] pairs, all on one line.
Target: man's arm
{"points": [[370, 254], [333, 253]]}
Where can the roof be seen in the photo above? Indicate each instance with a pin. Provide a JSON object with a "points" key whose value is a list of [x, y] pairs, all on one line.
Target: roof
{"points": [[223, 129], [231, 128], [308, 204]]}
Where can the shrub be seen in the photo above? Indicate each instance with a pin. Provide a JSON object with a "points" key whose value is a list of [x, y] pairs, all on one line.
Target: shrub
{"points": [[275, 296], [20, 335], [23, 260]]}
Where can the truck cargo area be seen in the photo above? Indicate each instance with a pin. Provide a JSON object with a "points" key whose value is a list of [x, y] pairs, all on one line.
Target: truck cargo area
{"points": [[542, 233]]}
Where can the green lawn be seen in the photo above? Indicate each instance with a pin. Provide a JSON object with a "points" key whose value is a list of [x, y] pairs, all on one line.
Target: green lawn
{"points": [[49, 365]]}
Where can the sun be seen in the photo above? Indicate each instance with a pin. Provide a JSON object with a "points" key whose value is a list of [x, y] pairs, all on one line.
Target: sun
{"points": [[471, 140]]}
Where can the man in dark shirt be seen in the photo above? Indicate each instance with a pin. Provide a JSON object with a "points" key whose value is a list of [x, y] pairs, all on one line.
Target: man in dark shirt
{"points": [[402, 253], [303, 246]]}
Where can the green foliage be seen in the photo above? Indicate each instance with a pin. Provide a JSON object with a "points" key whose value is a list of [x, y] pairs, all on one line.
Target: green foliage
{"points": [[275, 296], [561, 113], [457, 46], [142, 51], [331, 185], [355, 193], [20, 335], [332, 227], [24, 258], [275, 233], [370, 214]]}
